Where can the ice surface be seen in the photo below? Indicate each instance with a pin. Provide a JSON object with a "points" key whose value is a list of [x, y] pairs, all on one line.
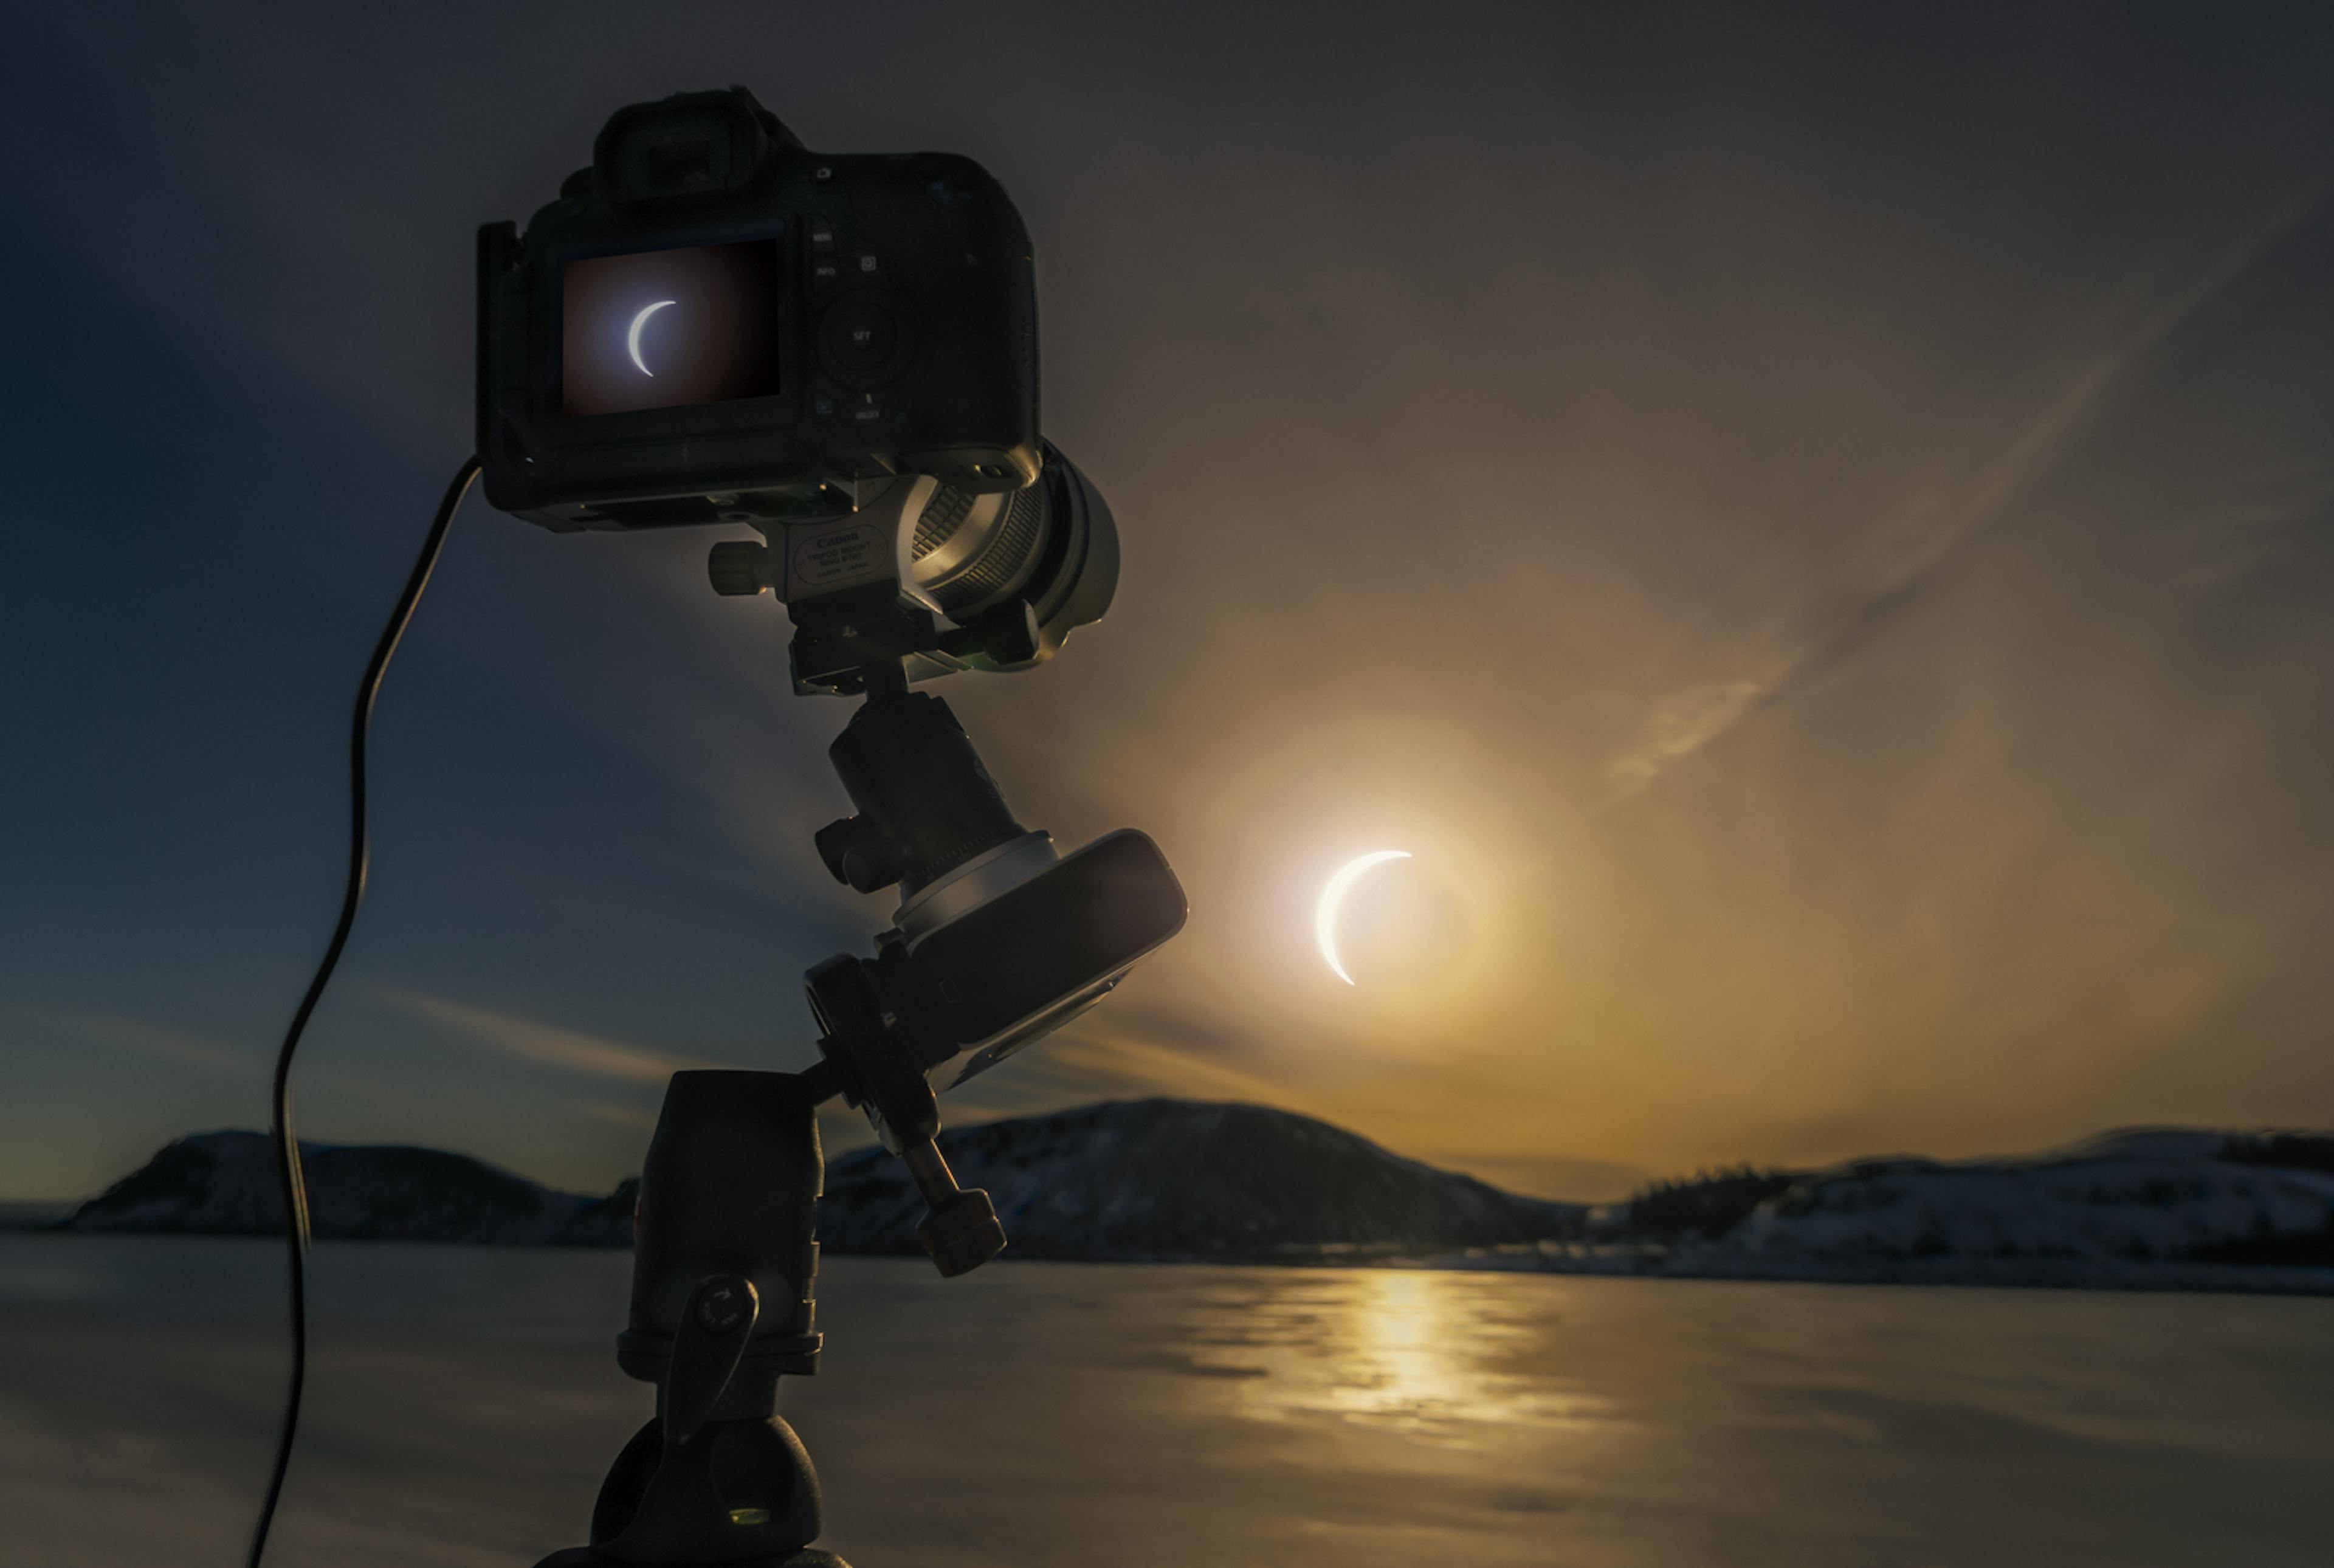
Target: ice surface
{"points": [[1080, 1414]]}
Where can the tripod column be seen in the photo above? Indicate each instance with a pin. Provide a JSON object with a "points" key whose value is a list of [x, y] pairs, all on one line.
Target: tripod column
{"points": [[723, 1263], [730, 1187]]}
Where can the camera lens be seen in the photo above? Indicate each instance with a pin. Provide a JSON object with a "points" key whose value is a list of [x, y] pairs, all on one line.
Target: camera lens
{"points": [[972, 551], [1051, 545]]}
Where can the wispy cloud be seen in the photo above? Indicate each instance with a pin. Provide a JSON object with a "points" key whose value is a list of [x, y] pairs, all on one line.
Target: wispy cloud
{"points": [[1929, 531], [1686, 722], [545, 1043], [118, 1032], [1103, 1056], [2262, 520]]}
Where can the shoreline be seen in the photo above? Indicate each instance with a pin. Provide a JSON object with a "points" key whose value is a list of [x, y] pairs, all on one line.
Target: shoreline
{"points": [[2006, 1273], [1554, 1258]]}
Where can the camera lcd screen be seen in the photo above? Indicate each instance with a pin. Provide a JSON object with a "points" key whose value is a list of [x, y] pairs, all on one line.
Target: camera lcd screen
{"points": [[663, 328]]}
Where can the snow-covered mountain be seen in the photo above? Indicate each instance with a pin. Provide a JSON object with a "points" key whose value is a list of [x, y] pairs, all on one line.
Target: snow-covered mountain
{"points": [[1173, 1178], [2153, 1194], [2153, 1206]]}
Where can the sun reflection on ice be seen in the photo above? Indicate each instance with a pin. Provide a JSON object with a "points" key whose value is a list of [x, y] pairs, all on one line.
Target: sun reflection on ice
{"points": [[1430, 1355]]}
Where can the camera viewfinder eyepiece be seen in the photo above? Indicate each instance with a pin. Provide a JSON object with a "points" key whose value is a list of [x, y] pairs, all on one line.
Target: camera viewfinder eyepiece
{"points": [[690, 147]]}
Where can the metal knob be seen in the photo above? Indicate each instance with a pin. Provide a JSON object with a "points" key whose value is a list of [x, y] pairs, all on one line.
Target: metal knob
{"points": [[737, 567], [859, 853], [963, 1233], [960, 1228], [715, 1325]]}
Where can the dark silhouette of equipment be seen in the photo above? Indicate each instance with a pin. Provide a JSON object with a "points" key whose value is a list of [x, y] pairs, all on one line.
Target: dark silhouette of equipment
{"points": [[713, 323], [996, 941], [845, 358]]}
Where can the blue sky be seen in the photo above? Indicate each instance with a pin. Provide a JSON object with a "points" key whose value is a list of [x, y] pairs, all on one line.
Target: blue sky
{"points": [[1813, 527]]}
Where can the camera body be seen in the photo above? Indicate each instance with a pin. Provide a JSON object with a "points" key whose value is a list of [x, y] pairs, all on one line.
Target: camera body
{"points": [[714, 324]]}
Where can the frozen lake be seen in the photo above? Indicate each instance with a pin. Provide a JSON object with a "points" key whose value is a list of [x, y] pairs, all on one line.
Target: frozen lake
{"points": [[465, 1401]]}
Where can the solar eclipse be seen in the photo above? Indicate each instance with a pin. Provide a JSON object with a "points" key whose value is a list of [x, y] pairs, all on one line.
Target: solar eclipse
{"points": [[1325, 915]]}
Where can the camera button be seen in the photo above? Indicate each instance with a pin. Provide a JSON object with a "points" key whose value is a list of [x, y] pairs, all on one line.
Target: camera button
{"points": [[863, 266], [822, 233], [864, 336], [863, 340], [826, 272]]}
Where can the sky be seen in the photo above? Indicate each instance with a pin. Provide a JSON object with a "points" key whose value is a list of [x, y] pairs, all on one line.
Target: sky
{"points": [[1814, 526]]}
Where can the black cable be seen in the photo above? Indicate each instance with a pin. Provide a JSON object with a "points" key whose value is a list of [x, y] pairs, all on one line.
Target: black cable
{"points": [[287, 1147]]}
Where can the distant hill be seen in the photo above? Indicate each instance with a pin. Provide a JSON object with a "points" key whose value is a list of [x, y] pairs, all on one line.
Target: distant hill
{"points": [[2153, 1194], [2150, 1207], [1173, 1179], [1176, 1179], [1152, 1179], [225, 1184], [33, 1216]]}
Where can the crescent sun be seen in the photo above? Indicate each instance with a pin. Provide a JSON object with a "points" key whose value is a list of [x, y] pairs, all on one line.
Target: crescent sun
{"points": [[1325, 919], [633, 338]]}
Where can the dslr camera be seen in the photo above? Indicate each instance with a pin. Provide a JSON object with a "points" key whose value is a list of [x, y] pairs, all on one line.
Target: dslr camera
{"points": [[713, 324]]}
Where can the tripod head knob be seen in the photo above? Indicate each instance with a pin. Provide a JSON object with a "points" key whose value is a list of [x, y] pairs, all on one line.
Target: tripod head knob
{"points": [[739, 568], [962, 1234], [873, 1069], [860, 853], [959, 1228]]}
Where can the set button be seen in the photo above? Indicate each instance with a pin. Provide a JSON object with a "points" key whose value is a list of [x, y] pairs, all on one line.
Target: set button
{"points": [[862, 339]]}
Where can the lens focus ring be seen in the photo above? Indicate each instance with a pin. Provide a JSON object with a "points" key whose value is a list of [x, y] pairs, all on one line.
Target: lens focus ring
{"points": [[971, 550]]}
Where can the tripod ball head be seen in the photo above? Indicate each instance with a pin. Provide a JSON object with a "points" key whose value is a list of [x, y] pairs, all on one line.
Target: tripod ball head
{"points": [[926, 802]]}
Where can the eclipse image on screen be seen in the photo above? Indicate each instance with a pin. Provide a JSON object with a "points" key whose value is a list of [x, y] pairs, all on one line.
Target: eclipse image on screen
{"points": [[661, 328]]}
